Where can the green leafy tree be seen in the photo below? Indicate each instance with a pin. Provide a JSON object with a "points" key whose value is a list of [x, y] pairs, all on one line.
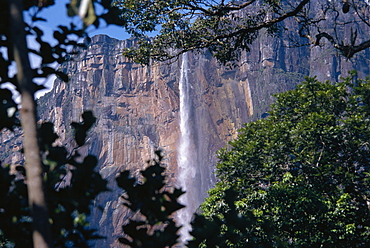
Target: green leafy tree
{"points": [[226, 28], [304, 169]]}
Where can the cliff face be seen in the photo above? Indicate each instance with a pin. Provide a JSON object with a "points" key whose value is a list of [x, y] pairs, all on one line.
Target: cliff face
{"points": [[137, 108]]}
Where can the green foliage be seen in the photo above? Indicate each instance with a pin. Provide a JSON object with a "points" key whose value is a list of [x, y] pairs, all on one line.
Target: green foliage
{"points": [[233, 226], [304, 168], [153, 208], [71, 187]]}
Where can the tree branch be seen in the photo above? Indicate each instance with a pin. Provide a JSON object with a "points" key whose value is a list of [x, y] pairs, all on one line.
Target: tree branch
{"points": [[346, 50], [265, 24]]}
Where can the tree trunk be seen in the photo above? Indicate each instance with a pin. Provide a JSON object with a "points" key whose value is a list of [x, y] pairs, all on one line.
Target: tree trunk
{"points": [[41, 226]]}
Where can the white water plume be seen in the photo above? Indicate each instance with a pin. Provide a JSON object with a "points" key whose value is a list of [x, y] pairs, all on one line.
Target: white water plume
{"points": [[185, 159]]}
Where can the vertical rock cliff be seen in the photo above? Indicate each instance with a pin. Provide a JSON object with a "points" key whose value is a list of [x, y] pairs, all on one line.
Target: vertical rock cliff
{"points": [[137, 107]]}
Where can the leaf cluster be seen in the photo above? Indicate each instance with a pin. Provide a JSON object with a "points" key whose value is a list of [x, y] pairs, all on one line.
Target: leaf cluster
{"points": [[153, 207], [71, 184], [231, 227]]}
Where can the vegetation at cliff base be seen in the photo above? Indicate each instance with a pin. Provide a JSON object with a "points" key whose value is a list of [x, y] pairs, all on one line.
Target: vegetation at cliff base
{"points": [[303, 170]]}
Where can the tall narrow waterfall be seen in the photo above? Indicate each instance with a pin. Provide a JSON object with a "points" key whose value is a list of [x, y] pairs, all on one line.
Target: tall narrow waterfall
{"points": [[186, 156]]}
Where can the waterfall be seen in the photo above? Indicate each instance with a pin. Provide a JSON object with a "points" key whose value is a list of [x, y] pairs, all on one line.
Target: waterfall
{"points": [[186, 156]]}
